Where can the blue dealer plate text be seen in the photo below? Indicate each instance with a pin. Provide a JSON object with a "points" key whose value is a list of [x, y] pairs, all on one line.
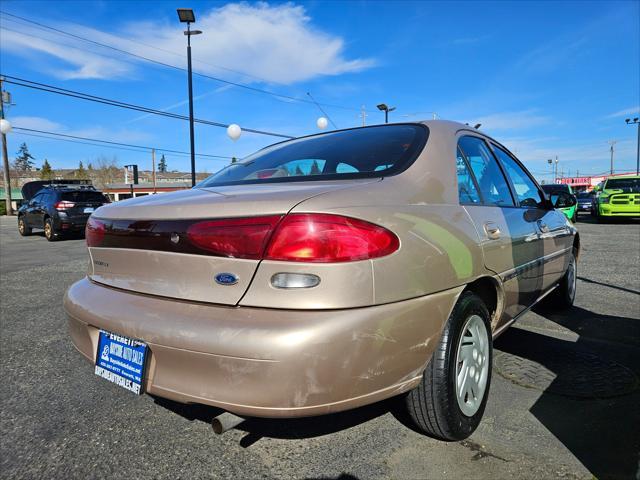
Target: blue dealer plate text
{"points": [[121, 360]]}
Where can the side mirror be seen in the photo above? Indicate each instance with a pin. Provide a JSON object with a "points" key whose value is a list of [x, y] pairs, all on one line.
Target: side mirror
{"points": [[563, 200]]}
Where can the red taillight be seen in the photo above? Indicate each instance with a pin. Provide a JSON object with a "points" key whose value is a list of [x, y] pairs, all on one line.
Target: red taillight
{"points": [[234, 237], [64, 205], [324, 238], [94, 232]]}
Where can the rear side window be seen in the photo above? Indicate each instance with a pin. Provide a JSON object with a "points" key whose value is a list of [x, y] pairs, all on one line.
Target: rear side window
{"points": [[491, 181], [83, 196], [525, 188], [467, 191], [358, 153]]}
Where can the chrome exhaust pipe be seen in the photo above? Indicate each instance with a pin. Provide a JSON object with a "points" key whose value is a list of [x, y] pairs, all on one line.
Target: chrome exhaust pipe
{"points": [[225, 421]]}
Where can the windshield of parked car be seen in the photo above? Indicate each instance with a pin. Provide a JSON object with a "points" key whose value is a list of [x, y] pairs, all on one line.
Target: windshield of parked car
{"points": [[555, 188], [584, 196], [83, 196], [625, 184], [357, 153]]}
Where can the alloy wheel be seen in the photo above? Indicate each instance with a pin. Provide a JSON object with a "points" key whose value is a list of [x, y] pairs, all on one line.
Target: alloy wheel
{"points": [[571, 278], [472, 365]]}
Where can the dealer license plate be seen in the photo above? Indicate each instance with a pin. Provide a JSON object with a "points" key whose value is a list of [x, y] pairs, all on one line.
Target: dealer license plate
{"points": [[89, 210], [121, 360]]}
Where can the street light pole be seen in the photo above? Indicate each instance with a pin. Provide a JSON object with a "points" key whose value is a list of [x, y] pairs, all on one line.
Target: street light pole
{"points": [[383, 107], [191, 129], [636, 121], [187, 16], [612, 144], [5, 158]]}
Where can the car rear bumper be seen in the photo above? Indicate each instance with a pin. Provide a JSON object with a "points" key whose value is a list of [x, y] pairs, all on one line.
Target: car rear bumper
{"points": [[266, 362], [70, 224]]}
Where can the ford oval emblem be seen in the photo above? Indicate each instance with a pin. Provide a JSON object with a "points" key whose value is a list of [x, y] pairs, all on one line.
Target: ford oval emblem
{"points": [[226, 279]]}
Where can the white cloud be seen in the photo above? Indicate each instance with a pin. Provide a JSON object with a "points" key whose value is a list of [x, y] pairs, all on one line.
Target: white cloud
{"points": [[625, 112], [91, 131], [552, 55], [588, 158], [272, 43], [469, 40], [36, 123], [511, 120], [86, 65]]}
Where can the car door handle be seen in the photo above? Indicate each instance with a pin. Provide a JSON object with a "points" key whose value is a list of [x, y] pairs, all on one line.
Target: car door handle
{"points": [[492, 230], [543, 227]]}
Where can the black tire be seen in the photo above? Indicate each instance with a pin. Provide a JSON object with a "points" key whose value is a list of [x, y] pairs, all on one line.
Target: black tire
{"points": [[434, 406], [23, 229], [49, 232], [565, 294]]}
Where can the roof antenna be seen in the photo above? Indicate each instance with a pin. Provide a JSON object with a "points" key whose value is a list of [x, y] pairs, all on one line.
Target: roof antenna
{"points": [[477, 126], [323, 112]]}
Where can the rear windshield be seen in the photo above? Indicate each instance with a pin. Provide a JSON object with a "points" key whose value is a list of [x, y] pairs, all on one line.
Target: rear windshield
{"points": [[584, 195], [555, 188], [358, 153], [626, 184], [83, 197]]}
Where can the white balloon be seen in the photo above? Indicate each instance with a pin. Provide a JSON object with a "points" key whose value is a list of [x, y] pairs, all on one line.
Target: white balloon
{"points": [[5, 126], [322, 123], [234, 131]]}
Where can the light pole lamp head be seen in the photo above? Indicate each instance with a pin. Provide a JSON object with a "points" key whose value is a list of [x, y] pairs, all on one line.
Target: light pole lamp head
{"points": [[635, 120], [383, 107], [627, 120], [186, 15]]}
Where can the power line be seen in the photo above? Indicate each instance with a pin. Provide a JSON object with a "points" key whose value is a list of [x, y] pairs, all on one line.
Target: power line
{"points": [[33, 131], [157, 62], [117, 103], [171, 52], [322, 110]]}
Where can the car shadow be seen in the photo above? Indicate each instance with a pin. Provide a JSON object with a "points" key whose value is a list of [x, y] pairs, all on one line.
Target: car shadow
{"points": [[285, 428], [591, 401], [588, 218]]}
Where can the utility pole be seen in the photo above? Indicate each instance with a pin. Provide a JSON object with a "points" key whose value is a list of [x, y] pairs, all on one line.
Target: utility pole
{"points": [[153, 168], [5, 158], [612, 143], [363, 114]]}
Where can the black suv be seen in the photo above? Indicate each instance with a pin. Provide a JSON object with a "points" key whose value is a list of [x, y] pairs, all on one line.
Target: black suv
{"points": [[58, 208]]}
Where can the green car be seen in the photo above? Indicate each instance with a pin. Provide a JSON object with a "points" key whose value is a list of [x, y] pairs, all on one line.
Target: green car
{"points": [[555, 188], [619, 197]]}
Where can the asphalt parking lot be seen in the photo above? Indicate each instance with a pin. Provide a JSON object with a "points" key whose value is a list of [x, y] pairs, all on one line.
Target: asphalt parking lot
{"points": [[564, 401]]}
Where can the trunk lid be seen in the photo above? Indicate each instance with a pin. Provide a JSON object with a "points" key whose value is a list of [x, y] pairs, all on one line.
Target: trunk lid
{"points": [[152, 266]]}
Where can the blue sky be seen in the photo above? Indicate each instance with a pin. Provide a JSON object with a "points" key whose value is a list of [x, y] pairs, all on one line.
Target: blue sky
{"points": [[545, 78]]}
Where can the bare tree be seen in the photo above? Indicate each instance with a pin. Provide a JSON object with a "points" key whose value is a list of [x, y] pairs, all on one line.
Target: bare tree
{"points": [[105, 170]]}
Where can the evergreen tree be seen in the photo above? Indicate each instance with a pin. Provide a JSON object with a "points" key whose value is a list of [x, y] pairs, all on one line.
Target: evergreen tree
{"points": [[46, 172], [299, 170], [24, 160], [81, 172], [315, 170], [162, 166]]}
